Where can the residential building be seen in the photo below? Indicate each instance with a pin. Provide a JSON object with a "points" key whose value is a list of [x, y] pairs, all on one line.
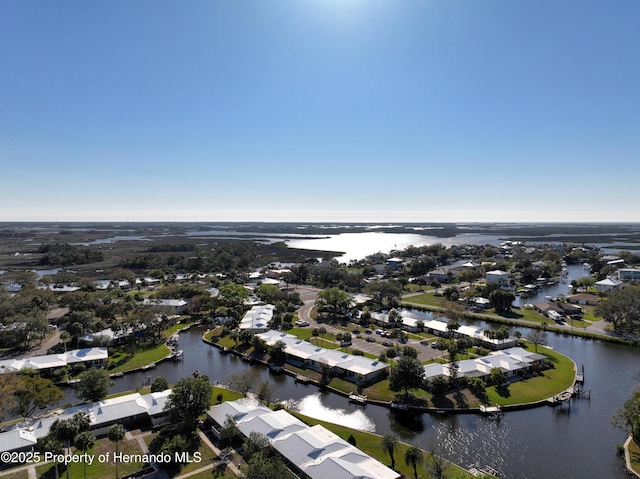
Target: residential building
{"points": [[513, 362], [497, 277], [257, 318], [357, 369], [315, 452], [629, 274], [46, 364], [131, 409], [609, 284]]}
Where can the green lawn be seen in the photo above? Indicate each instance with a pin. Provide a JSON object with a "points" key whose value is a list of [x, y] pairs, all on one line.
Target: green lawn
{"points": [[552, 382], [428, 299], [126, 361], [634, 456], [227, 395], [97, 469]]}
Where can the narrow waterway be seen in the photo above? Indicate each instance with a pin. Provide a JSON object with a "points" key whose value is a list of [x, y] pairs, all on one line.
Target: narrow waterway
{"points": [[537, 443]]}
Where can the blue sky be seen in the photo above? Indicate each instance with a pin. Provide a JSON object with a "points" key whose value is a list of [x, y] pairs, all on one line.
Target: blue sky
{"points": [[319, 110]]}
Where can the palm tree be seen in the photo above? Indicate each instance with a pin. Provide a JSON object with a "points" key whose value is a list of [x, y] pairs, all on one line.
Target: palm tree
{"points": [[389, 444], [85, 441], [116, 434], [65, 337], [413, 457], [65, 430]]}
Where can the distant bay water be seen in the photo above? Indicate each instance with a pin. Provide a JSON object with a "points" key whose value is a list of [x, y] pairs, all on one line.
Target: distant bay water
{"points": [[356, 246]]}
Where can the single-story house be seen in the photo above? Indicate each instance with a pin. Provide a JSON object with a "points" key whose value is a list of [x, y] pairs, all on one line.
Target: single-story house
{"points": [[442, 275], [439, 328], [315, 452], [609, 284], [409, 321], [357, 369], [583, 298], [178, 306], [497, 277], [257, 318], [131, 408], [46, 364], [512, 362]]}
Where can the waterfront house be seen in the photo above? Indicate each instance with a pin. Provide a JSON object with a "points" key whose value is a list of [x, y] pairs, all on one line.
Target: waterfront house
{"points": [[46, 364], [609, 284], [133, 409], [357, 369], [315, 452], [513, 362], [257, 318]]}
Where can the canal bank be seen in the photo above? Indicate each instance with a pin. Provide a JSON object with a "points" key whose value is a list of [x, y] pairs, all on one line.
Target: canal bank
{"points": [[358, 395], [532, 443]]}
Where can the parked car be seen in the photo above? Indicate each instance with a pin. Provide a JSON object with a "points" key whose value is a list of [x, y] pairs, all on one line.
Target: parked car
{"points": [[371, 339], [300, 323], [379, 331], [387, 343]]}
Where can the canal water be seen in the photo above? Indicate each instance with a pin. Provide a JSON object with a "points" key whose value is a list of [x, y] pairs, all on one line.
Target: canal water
{"points": [[536, 443]]}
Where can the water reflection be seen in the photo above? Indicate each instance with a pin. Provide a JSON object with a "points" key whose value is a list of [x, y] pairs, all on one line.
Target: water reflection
{"points": [[312, 406]]}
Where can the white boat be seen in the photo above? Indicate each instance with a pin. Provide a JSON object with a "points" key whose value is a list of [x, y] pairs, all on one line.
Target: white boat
{"points": [[177, 356]]}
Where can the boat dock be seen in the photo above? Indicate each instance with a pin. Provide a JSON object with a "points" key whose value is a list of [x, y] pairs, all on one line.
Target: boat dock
{"points": [[357, 398], [302, 379], [490, 410]]}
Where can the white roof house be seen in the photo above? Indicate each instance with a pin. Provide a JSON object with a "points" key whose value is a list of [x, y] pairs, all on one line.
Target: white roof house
{"points": [[510, 361], [409, 320], [101, 415], [315, 451], [257, 318], [496, 276], [93, 356], [609, 284], [355, 368], [178, 305]]}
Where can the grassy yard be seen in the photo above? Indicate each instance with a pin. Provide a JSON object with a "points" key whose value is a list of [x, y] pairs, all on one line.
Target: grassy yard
{"points": [[227, 395], [97, 469], [553, 381], [125, 361], [634, 456], [428, 299]]}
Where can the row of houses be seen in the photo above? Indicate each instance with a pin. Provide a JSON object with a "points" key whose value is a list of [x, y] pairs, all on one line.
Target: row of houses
{"points": [[512, 362], [357, 369], [48, 363], [131, 409], [315, 452], [411, 323]]}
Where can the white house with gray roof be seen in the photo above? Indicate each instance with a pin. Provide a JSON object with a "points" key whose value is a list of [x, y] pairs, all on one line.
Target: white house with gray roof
{"points": [[102, 414], [314, 451], [46, 364], [357, 369]]}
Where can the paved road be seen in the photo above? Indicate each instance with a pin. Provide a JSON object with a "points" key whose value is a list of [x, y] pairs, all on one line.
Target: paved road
{"points": [[425, 353]]}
